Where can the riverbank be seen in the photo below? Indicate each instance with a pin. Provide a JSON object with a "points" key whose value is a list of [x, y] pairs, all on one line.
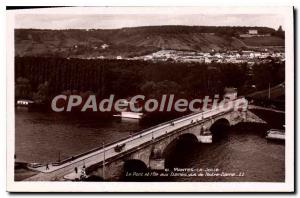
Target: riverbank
{"points": [[248, 137]]}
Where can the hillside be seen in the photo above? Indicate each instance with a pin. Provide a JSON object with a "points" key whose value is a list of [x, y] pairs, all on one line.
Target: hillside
{"points": [[129, 42]]}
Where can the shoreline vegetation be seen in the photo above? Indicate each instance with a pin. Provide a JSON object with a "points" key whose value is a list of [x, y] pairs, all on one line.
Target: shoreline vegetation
{"points": [[40, 79], [53, 62]]}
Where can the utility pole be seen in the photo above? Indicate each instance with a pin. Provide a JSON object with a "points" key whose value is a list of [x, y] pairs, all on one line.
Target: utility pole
{"points": [[269, 95], [103, 165]]}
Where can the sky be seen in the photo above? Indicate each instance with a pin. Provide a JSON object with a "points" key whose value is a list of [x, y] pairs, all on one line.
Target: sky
{"points": [[113, 21]]}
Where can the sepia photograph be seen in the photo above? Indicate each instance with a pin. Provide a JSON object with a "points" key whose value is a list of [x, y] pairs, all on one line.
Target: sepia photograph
{"points": [[136, 98]]}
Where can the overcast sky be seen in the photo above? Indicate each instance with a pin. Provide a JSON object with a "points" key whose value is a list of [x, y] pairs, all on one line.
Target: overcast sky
{"points": [[109, 21]]}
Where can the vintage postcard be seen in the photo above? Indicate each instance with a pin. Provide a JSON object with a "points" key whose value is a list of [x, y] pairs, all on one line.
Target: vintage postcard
{"points": [[150, 99]]}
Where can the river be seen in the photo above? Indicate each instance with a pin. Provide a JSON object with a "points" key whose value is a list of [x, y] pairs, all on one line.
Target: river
{"points": [[47, 137]]}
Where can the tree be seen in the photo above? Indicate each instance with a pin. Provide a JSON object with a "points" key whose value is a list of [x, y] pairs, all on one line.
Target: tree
{"points": [[153, 89], [41, 96], [23, 88], [148, 88]]}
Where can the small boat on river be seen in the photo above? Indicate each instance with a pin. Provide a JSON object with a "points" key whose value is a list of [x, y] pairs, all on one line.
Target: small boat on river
{"points": [[131, 115], [275, 134]]}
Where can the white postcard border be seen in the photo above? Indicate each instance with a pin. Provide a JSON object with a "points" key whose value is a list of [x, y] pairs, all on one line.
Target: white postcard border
{"points": [[287, 186]]}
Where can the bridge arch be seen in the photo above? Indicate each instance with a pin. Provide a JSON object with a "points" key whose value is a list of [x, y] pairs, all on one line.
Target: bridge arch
{"points": [[181, 140], [177, 147], [132, 167], [219, 128]]}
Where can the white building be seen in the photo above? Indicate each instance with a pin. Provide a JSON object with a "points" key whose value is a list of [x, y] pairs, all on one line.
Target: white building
{"points": [[253, 32], [207, 60], [104, 46]]}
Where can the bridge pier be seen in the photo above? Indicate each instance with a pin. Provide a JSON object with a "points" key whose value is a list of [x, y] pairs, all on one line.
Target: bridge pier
{"points": [[205, 138], [149, 149], [157, 164], [156, 161], [111, 172]]}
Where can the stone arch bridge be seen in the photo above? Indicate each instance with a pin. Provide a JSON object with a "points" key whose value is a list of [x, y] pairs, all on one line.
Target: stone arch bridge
{"points": [[146, 148]]}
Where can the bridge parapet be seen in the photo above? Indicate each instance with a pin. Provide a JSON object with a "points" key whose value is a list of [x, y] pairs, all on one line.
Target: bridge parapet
{"points": [[131, 143]]}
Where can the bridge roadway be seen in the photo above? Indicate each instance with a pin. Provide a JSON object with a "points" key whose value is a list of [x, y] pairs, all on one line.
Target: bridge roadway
{"points": [[96, 156]]}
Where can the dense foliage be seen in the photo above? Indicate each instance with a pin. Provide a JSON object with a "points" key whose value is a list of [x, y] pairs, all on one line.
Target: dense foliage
{"points": [[41, 78]]}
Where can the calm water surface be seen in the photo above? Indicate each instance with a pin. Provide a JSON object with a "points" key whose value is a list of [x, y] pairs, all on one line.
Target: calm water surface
{"points": [[243, 151], [44, 137]]}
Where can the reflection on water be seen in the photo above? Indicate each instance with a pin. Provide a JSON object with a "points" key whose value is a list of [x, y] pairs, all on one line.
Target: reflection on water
{"points": [[244, 150], [46, 137]]}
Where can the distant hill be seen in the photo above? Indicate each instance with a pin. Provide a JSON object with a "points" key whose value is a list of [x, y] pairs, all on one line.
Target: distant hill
{"points": [[136, 41]]}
